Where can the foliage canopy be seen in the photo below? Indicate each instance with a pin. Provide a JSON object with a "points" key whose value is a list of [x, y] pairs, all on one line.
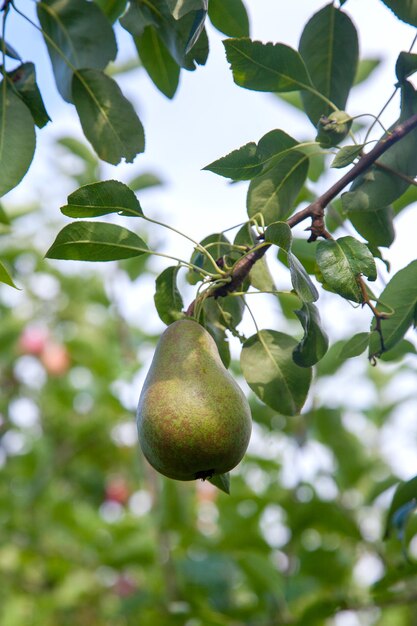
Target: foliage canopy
{"points": [[94, 535]]}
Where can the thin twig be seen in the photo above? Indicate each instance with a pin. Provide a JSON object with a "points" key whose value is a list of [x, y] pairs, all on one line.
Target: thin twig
{"points": [[314, 211]]}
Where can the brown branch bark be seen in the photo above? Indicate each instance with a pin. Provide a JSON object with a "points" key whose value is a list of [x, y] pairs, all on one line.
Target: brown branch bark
{"points": [[314, 211]]}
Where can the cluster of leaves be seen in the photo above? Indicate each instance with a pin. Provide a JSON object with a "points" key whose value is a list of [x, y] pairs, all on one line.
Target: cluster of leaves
{"points": [[299, 579], [81, 42], [277, 366], [95, 536]]}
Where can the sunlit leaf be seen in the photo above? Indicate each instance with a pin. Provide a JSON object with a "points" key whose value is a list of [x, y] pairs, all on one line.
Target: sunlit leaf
{"points": [[96, 241], [96, 199]]}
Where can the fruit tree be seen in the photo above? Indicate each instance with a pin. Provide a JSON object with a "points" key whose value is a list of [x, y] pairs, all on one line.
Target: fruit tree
{"points": [[275, 481]]}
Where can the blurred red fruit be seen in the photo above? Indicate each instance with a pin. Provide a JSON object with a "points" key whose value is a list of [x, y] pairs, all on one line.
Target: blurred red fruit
{"points": [[33, 340], [117, 491], [124, 586], [55, 359]]}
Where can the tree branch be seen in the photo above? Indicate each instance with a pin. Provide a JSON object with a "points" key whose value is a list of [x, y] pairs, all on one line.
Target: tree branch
{"points": [[314, 211]]}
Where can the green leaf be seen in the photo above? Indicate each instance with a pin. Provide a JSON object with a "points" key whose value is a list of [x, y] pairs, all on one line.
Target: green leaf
{"points": [[346, 155], [405, 66], [241, 164], [17, 139], [251, 160], [179, 8], [230, 17], [377, 227], [301, 281], [178, 35], [266, 67], [81, 32], [355, 346], [79, 149], [333, 129], [218, 245], [108, 119], [145, 181], [399, 351], [157, 61], [5, 276], [221, 481], [365, 69], [279, 233], [403, 503], [112, 8], [405, 200], [377, 188], [341, 262], [220, 316], [96, 199], [305, 252], [399, 298], [329, 48], [168, 300], [4, 218], [9, 51], [137, 17], [315, 342], [273, 193], [260, 276], [96, 241], [405, 10], [23, 79], [269, 369]]}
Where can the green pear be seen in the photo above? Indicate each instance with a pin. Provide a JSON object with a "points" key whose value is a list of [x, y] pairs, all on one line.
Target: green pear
{"points": [[193, 419]]}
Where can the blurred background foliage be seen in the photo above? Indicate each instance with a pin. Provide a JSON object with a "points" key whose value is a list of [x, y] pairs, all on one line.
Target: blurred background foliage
{"points": [[90, 534]]}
